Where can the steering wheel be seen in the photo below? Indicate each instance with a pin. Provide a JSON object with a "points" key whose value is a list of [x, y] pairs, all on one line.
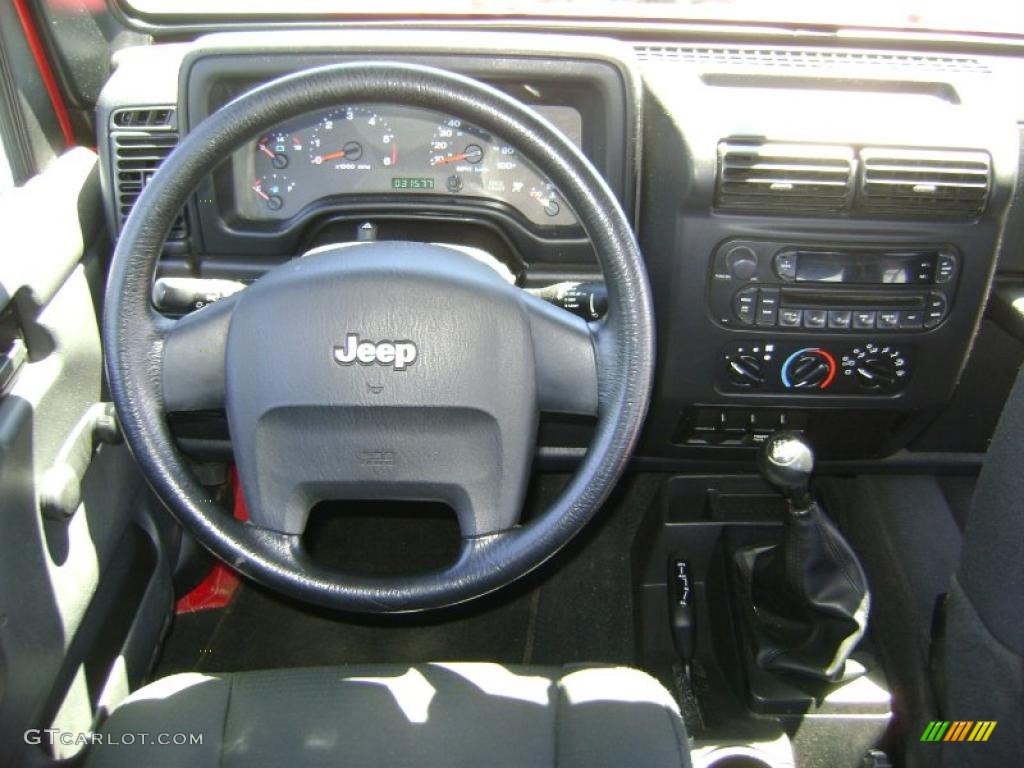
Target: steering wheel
{"points": [[391, 370]]}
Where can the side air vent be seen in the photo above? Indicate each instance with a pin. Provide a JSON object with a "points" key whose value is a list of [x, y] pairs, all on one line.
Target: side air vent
{"points": [[136, 156], [904, 182], [156, 117], [809, 59], [784, 178]]}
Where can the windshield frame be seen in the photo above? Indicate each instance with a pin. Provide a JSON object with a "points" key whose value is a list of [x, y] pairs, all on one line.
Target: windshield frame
{"points": [[727, 14]]}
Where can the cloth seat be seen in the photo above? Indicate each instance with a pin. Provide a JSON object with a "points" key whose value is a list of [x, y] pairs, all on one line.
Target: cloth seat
{"points": [[983, 649], [453, 715]]}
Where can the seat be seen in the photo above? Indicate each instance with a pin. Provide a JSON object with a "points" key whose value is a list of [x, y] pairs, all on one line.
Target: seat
{"points": [[454, 715], [983, 653]]}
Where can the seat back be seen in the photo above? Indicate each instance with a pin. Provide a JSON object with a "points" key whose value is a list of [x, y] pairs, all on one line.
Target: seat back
{"points": [[984, 640]]}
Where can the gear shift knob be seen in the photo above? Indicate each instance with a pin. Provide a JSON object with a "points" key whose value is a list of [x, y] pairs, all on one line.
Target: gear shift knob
{"points": [[787, 462]]}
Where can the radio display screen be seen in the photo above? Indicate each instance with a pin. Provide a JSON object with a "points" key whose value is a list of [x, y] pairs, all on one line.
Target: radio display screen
{"points": [[864, 268]]}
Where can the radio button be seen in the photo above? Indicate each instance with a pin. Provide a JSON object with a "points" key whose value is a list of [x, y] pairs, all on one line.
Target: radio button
{"points": [[862, 320], [790, 318], [945, 268], [815, 318], [839, 319], [926, 271], [911, 319], [767, 307], [785, 265], [744, 305], [888, 320], [936, 311]]}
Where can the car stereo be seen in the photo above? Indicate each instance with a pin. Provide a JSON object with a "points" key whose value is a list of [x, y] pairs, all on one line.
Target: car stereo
{"points": [[765, 284]]}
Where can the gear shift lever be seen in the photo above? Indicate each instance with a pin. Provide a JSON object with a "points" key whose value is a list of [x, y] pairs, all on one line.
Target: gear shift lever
{"points": [[786, 461], [808, 597]]}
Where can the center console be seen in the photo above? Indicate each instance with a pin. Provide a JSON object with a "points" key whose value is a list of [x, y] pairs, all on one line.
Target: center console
{"points": [[820, 253], [837, 293]]}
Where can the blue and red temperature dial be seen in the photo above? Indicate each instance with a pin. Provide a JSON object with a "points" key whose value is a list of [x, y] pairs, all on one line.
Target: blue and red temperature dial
{"points": [[809, 368]]}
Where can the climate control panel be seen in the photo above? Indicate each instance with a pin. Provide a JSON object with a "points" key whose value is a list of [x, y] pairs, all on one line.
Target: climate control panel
{"points": [[865, 368]]}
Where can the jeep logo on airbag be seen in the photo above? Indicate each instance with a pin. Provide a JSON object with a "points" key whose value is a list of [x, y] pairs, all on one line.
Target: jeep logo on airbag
{"points": [[399, 354]]}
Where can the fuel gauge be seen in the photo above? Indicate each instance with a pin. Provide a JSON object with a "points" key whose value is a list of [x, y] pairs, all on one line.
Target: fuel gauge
{"points": [[272, 189]]}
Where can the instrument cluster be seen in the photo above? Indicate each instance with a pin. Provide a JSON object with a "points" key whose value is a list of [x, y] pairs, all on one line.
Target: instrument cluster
{"points": [[368, 149]]}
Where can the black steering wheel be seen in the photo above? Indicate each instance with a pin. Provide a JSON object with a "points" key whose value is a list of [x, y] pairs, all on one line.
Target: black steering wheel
{"points": [[389, 370]]}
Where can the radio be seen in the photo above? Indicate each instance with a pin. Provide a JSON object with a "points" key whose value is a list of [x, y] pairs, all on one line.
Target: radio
{"points": [[766, 284]]}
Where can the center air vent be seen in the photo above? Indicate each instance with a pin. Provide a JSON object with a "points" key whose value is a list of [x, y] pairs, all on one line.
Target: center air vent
{"points": [[784, 178], [136, 156], [905, 182]]}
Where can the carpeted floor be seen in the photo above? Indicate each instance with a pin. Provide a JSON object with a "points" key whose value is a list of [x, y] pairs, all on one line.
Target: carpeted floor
{"points": [[577, 607]]}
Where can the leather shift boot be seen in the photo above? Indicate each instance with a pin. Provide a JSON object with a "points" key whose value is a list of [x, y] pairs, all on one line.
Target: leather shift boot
{"points": [[807, 600]]}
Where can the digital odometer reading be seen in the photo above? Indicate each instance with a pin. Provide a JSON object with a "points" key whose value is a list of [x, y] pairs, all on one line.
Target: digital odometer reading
{"points": [[411, 182]]}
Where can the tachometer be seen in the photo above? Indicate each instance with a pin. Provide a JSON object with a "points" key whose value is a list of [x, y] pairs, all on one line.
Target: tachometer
{"points": [[352, 139]]}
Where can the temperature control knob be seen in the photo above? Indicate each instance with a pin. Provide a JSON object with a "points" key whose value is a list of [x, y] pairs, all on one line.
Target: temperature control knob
{"points": [[809, 368], [876, 367]]}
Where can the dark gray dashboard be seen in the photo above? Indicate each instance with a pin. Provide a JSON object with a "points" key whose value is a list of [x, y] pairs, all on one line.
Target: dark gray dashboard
{"points": [[875, 169]]}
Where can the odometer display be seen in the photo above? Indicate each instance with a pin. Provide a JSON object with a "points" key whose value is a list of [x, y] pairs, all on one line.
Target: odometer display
{"points": [[411, 182]]}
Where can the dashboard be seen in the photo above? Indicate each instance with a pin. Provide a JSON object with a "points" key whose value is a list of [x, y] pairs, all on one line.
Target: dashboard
{"points": [[385, 149], [822, 225]]}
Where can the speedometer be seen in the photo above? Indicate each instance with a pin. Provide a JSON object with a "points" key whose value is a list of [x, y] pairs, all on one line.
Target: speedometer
{"points": [[352, 139], [455, 143], [477, 163]]}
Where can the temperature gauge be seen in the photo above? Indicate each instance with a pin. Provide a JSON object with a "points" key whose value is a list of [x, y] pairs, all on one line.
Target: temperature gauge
{"points": [[547, 198]]}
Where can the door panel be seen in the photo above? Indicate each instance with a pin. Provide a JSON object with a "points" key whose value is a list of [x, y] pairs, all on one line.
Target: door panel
{"points": [[80, 555]]}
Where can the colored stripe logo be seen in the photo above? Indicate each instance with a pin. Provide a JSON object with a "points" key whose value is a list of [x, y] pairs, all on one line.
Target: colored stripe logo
{"points": [[958, 730]]}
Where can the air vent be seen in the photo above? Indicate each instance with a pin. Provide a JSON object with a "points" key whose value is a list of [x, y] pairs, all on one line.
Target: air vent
{"points": [[809, 59], [784, 178], [136, 156], [153, 117], [904, 182]]}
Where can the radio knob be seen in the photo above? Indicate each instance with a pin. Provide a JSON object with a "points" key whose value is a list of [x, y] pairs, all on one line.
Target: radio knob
{"points": [[746, 371], [742, 262], [810, 368]]}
